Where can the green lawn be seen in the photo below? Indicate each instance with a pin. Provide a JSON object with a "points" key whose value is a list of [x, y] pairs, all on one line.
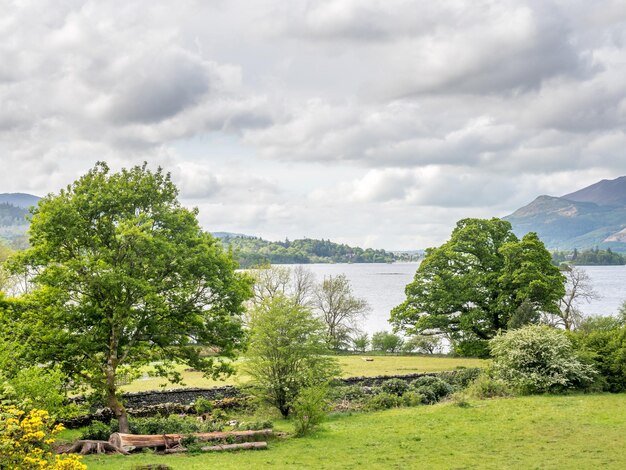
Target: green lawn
{"points": [[560, 432], [351, 366]]}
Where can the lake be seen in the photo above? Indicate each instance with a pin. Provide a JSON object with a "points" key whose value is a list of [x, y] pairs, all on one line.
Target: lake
{"points": [[382, 285]]}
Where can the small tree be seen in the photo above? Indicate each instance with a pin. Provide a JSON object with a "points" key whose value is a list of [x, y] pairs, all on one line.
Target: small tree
{"points": [[339, 309], [423, 344], [361, 342], [124, 276], [386, 342], [538, 359], [287, 352]]}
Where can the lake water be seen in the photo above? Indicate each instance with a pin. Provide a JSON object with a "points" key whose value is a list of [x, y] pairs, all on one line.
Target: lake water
{"points": [[382, 285]]}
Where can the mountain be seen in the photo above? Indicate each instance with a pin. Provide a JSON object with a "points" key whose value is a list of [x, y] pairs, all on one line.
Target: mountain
{"points": [[22, 200], [13, 212], [590, 217]]}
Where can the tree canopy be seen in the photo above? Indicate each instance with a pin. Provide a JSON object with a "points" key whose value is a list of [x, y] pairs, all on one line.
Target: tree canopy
{"points": [[468, 288], [123, 276]]}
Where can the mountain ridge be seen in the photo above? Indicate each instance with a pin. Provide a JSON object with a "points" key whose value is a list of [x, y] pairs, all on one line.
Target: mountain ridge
{"points": [[594, 216]]}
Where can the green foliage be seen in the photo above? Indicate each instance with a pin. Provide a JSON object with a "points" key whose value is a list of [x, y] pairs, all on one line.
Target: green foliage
{"points": [[485, 386], [173, 424], [606, 349], [439, 387], [203, 405], [538, 359], [386, 342], [423, 344], [360, 342], [395, 386], [123, 275], [468, 288], [287, 352], [252, 251], [309, 409], [39, 387], [353, 393], [383, 401]]}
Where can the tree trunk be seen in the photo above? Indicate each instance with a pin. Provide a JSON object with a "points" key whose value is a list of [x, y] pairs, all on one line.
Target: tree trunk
{"points": [[113, 401], [140, 441]]}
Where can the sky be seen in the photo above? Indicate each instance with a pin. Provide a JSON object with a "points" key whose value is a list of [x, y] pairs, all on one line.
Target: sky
{"points": [[377, 123]]}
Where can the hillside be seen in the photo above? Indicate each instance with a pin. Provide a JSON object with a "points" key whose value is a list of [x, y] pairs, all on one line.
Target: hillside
{"points": [[13, 212], [594, 216], [250, 251]]}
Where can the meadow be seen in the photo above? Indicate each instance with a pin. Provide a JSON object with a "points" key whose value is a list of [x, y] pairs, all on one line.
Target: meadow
{"points": [[351, 366], [571, 431]]}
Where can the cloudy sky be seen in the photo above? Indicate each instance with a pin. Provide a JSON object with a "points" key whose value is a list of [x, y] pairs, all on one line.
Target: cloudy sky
{"points": [[372, 122]]}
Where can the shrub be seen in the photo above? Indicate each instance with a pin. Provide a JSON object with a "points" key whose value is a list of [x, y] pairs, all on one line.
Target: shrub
{"points": [[309, 409], [383, 401], [97, 431], [460, 378], [538, 359], [203, 405], [486, 386], [348, 393], [411, 398], [395, 386], [428, 395], [26, 441], [606, 349], [439, 387]]}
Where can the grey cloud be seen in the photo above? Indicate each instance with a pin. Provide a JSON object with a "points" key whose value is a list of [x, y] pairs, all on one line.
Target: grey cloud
{"points": [[158, 88]]}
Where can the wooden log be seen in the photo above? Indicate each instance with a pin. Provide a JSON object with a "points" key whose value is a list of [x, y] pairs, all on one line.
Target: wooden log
{"points": [[141, 441], [223, 447]]}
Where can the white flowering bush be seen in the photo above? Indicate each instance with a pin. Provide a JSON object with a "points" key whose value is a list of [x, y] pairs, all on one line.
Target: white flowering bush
{"points": [[538, 359]]}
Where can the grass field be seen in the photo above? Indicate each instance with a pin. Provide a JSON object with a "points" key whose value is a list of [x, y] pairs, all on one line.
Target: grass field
{"points": [[350, 366], [551, 432]]}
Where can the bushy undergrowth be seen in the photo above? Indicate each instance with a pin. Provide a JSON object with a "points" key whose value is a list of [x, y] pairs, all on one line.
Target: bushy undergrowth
{"points": [[486, 386], [606, 350], [539, 359], [309, 409], [173, 424]]}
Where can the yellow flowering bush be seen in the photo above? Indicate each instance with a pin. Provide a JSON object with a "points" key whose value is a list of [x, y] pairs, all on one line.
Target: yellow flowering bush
{"points": [[26, 440]]}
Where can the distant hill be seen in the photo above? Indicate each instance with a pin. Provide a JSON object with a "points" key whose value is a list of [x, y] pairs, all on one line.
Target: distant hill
{"points": [[22, 200], [251, 251], [13, 212], [594, 216]]}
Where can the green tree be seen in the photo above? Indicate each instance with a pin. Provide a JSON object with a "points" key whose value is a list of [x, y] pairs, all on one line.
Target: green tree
{"points": [[287, 352], [468, 288], [386, 342], [360, 342], [124, 276], [340, 311]]}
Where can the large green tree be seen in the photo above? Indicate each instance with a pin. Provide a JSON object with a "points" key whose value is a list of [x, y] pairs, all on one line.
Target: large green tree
{"points": [[124, 276], [470, 287]]}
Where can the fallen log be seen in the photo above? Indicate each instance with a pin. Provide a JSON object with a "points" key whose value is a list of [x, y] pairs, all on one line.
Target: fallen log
{"points": [[85, 447], [141, 441], [223, 447]]}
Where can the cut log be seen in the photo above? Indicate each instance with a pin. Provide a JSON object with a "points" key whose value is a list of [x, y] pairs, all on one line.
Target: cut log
{"points": [[85, 447], [141, 441], [223, 447]]}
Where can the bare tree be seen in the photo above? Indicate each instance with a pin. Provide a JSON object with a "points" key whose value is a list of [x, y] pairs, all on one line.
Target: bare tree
{"points": [[339, 309], [578, 289], [296, 283]]}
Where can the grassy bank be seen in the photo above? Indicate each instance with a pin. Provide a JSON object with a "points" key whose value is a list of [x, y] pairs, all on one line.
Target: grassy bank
{"points": [[579, 431], [350, 365]]}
